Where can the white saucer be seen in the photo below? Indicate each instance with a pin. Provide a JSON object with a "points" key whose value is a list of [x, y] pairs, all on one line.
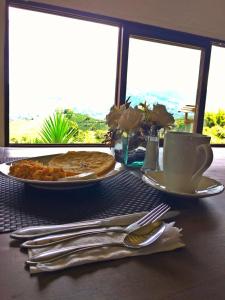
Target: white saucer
{"points": [[207, 186]]}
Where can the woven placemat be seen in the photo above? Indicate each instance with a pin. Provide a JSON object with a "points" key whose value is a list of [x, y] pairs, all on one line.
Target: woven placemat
{"points": [[22, 205]]}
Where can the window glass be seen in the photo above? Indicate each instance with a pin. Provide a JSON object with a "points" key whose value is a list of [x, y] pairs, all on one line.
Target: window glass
{"points": [[62, 70], [164, 74], [214, 118]]}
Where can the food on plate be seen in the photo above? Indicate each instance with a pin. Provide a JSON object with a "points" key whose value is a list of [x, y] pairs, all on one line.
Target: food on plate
{"points": [[35, 170], [64, 165], [84, 161]]}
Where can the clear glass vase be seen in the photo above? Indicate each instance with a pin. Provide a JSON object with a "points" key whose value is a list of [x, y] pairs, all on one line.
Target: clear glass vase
{"points": [[151, 161], [133, 147]]}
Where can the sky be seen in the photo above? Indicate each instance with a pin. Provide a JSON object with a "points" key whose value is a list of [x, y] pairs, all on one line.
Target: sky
{"points": [[163, 67], [216, 82], [47, 68], [60, 62]]}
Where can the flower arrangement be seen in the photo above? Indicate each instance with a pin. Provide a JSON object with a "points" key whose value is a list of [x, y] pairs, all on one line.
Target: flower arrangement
{"points": [[125, 120]]}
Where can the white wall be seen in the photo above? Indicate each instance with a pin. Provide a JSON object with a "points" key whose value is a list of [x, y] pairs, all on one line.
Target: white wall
{"points": [[203, 17]]}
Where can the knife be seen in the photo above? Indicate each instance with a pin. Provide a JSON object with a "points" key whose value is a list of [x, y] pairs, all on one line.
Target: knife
{"points": [[33, 232]]}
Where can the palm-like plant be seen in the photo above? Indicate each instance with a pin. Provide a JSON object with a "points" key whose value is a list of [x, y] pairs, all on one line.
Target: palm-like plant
{"points": [[57, 130]]}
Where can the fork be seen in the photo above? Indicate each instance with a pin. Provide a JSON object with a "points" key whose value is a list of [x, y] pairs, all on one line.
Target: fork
{"points": [[150, 217]]}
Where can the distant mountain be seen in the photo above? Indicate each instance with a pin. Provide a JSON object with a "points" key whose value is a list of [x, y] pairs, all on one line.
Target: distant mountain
{"points": [[85, 121], [90, 112], [171, 100]]}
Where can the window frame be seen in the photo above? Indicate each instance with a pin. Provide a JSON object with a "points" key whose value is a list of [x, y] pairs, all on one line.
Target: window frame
{"points": [[45, 8], [127, 29], [168, 42]]}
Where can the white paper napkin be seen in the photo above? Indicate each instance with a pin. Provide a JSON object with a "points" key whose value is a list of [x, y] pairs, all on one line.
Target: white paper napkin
{"points": [[170, 240]]}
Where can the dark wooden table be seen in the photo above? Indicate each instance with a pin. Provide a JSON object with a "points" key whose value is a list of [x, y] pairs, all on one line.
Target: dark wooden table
{"points": [[195, 272]]}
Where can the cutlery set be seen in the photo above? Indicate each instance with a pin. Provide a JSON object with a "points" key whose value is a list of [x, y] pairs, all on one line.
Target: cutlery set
{"points": [[141, 233]]}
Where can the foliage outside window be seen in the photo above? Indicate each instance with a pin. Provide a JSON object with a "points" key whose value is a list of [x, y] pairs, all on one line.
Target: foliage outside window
{"points": [[214, 119]]}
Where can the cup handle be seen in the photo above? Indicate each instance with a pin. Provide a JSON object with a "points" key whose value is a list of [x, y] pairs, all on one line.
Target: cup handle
{"points": [[207, 161]]}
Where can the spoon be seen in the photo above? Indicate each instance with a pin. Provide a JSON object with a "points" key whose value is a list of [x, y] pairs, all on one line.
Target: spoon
{"points": [[139, 238]]}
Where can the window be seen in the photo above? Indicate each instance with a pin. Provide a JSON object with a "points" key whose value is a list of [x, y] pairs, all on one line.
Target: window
{"points": [[165, 74], [214, 119], [63, 68], [69, 67]]}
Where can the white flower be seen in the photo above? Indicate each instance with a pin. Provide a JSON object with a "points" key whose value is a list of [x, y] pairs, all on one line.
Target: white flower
{"points": [[130, 119], [139, 119], [161, 116], [114, 115]]}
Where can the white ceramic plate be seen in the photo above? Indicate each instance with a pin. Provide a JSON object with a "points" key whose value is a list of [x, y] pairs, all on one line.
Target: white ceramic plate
{"points": [[59, 185], [207, 186]]}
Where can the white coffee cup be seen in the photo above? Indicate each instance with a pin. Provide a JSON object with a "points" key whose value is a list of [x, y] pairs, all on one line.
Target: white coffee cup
{"points": [[186, 156]]}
